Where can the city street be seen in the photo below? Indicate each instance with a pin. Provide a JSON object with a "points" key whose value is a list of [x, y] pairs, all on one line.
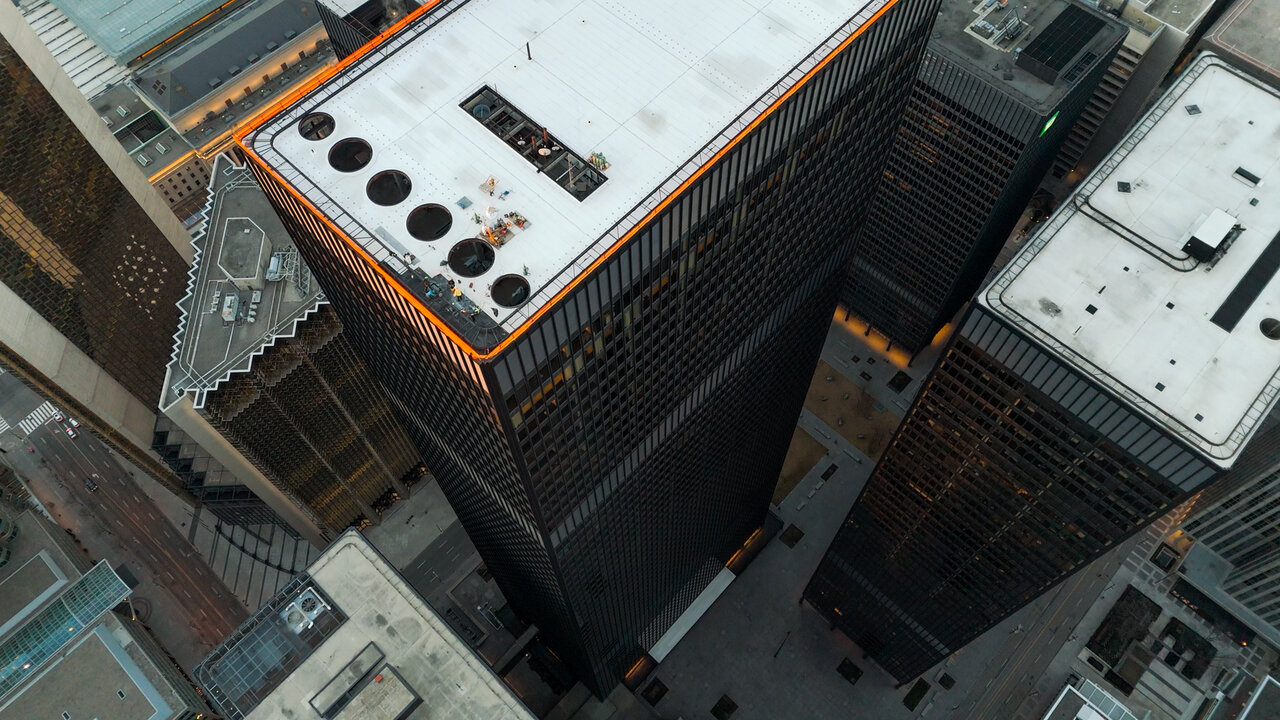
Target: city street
{"points": [[184, 602]]}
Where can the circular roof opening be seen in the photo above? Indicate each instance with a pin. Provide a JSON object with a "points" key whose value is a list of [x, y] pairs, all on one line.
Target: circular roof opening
{"points": [[510, 291], [471, 257], [1270, 327], [388, 187], [350, 154], [316, 126], [429, 222]]}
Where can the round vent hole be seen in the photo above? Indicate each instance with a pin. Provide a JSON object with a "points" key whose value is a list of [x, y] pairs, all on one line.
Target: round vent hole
{"points": [[350, 155], [510, 290], [389, 187], [470, 258], [429, 222], [316, 126]]}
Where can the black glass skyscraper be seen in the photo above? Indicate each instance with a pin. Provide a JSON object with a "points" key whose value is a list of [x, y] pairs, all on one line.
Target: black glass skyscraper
{"points": [[1104, 376], [595, 285], [998, 90]]}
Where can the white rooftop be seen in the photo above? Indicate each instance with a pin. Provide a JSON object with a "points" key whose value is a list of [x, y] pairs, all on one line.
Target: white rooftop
{"points": [[647, 83], [1139, 317], [417, 652]]}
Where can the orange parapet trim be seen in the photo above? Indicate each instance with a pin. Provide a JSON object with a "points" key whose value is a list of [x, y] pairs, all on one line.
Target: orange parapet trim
{"points": [[171, 166], [199, 20], [636, 668], [278, 106], [404, 292]]}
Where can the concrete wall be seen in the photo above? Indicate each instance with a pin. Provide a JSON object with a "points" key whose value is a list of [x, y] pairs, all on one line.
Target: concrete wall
{"points": [[183, 414], [31, 337], [1134, 99], [46, 68]]}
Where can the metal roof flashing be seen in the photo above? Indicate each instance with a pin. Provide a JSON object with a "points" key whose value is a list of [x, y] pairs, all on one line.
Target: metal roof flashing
{"points": [[1161, 286], [527, 174]]}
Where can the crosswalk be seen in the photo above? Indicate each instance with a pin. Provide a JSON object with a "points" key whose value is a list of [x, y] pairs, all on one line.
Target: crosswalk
{"points": [[4, 426], [38, 417]]}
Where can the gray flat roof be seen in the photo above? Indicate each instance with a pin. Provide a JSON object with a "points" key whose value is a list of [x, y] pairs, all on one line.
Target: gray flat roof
{"points": [[1249, 34], [234, 252], [128, 28], [139, 128], [1183, 15], [237, 50], [1111, 284], [959, 33], [100, 672], [1265, 703], [24, 586], [428, 659]]}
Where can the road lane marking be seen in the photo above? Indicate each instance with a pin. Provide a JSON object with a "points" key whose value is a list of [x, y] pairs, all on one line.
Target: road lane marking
{"points": [[38, 417]]}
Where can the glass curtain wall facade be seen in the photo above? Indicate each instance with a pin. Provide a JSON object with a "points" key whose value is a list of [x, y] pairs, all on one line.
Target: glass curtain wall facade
{"points": [[76, 246], [312, 419], [1239, 521], [1011, 471], [968, 157], [609, 461]]}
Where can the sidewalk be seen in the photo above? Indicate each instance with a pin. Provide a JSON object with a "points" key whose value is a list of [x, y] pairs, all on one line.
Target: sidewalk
{"points": [[412, 524], [253, 562], [183, 630]]}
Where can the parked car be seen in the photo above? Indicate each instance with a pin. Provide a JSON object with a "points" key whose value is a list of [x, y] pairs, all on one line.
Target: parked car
{"points": [[70, 433], [89, 483]]}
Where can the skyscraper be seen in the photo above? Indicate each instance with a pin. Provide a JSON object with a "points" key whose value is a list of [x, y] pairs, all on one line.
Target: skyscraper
{"points": [[594, 282], [89, 259], [1000, 86], [263, 373], [352, 23], [1122, 361], [1235, 527], [1236, 557]]}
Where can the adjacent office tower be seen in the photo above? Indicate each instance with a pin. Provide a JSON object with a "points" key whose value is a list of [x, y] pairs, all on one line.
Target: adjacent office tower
{"points": [[1122, 360], [265, 380], [1235, 561], [90, 260], [999, 88], [352, 23], [594, 283]]}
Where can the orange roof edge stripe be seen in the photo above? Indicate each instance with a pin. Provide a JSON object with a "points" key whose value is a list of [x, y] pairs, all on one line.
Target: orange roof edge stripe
{"points": [[409, 296], [189, 25], [277, 107]]}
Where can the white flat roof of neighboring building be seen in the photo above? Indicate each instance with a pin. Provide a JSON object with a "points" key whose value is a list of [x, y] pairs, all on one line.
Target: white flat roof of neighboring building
{"points": [[1106, 282], [649, 84], [416, 651], [1088, 702]]}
